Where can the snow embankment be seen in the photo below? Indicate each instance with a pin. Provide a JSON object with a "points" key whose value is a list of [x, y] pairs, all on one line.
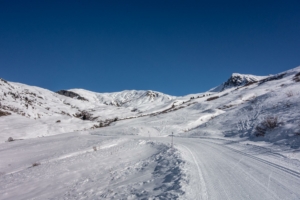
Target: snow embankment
{"points": [[78, 165]]}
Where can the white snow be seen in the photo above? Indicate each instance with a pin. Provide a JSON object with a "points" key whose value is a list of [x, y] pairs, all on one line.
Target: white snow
{"points": [[226, 144]]}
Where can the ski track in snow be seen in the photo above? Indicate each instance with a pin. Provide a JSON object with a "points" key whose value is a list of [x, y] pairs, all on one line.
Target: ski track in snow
{"points": [[222, 171], [201, 193], [228, 173]]}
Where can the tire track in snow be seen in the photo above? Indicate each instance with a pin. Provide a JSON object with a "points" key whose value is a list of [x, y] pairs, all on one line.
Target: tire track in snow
{"points": [[282, 168], [202, 187], [248, 174]]}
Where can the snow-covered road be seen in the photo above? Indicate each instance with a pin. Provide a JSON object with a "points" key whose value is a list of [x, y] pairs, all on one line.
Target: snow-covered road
{"points": [[221, 172]]}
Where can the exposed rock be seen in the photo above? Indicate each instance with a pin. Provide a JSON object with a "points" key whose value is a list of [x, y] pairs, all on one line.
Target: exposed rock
{"points": [[71, 94], [272, 78], [151, 94], [297, 77], [237, 80], [212, 98], [84, 115], [1, 79], [3, 113]]}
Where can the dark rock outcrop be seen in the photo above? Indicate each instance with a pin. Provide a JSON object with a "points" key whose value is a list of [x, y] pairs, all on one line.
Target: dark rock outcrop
{"points": [[237, 80], [4, 113], [71, 94], [272, 78]]}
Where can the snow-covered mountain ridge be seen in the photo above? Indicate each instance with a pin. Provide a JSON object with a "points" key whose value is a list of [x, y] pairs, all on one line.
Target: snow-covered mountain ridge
{"points": [[79, 109], [127, 98], [85, 145], [237, 80], [72, 110]]}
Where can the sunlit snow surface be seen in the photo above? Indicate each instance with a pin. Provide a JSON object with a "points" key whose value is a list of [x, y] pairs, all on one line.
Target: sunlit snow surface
{"points": [[217, 152]]}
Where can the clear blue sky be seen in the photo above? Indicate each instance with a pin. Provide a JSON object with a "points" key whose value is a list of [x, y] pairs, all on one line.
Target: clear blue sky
{"points": [[176, 47]]}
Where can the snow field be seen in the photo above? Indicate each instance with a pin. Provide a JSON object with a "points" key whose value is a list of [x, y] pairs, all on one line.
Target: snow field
{"points": [[70, 168], [217, 155]]}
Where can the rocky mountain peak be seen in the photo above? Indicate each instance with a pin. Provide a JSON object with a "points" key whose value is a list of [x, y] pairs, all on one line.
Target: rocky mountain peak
{"points": [[237, 80]]}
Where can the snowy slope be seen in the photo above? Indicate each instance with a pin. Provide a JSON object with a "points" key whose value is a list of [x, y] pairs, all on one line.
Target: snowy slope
{"points": [[81, 166], [241, 111], [248, 109], [229, 142], [37, 112], [244, 96], [139, 100]]}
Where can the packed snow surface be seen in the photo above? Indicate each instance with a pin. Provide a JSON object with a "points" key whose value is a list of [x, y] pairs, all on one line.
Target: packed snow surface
{"points": [[239, 140]]}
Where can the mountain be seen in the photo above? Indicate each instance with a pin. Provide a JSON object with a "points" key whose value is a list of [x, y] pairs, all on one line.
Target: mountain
{"points": [[70, 110], [237, 80], [141, 100], [79, 144], [227, 110]]}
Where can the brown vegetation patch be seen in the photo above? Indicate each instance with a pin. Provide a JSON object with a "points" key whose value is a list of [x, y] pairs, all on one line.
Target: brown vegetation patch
{"points": [[268, 123]]}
